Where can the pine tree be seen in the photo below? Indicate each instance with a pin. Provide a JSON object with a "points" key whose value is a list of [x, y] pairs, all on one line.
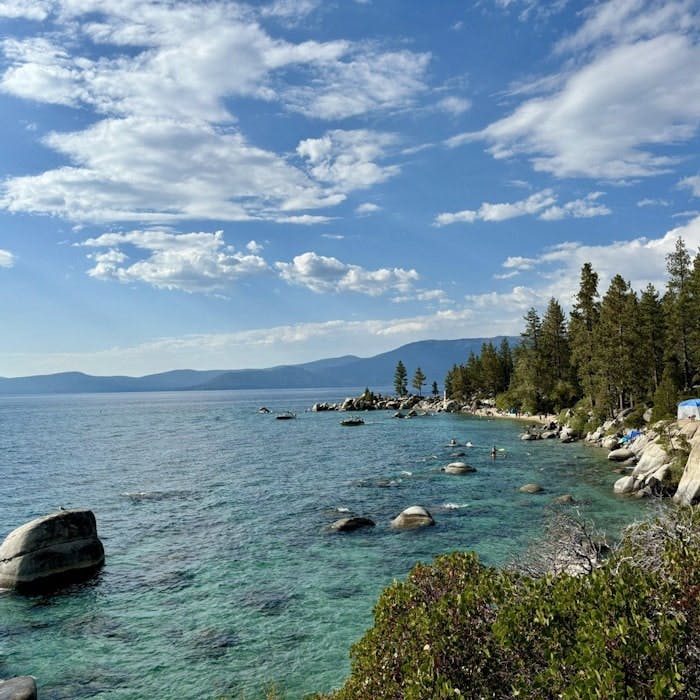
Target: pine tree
{"points": [[505, 363], [651, 338], [583, 320], [400, 379], [616, 344], [679, 307], [555, 358], [436, 391], [418, 380]]}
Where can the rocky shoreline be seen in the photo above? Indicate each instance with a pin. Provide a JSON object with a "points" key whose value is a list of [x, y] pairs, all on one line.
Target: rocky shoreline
{"points": [[659, 459]]}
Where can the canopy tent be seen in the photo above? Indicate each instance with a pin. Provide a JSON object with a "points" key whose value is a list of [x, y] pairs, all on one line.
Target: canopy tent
{"points": [[689, 409]]}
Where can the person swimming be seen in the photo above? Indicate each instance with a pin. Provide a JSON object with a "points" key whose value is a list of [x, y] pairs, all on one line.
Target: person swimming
{"points": [[494, 452]]}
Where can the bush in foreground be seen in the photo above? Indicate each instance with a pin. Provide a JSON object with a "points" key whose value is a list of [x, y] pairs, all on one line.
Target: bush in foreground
{"points": [[630, 629]]}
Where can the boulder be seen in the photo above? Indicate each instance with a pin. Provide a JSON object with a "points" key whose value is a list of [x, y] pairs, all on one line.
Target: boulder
{"points": [[564, 499], [351, 523], [688, 492], [610, 443], [414, 516], [622, 454], [450, 406], [458, 468], [55, 549], [531, 488], [625, 485], [652, 459], [19, 688]]}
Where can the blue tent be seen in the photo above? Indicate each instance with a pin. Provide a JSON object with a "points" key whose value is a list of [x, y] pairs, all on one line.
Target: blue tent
{"points": [[689, 409]]}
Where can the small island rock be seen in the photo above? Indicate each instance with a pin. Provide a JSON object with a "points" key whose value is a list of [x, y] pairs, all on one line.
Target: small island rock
{"points": [[414, 516], [18, 688], [59, 548]]}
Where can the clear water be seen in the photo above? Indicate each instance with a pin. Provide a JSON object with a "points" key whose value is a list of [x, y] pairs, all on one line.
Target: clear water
{"points": [[220, 574]]}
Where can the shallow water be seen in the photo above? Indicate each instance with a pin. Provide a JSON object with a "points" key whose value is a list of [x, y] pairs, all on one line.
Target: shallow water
{"points": [[221, 576]]}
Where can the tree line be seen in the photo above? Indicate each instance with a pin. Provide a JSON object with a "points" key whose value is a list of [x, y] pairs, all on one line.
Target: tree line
{"points": [[622, 350]]}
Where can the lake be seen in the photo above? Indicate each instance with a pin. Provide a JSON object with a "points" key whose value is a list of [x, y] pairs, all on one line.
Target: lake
{"points": [[221, 576]]}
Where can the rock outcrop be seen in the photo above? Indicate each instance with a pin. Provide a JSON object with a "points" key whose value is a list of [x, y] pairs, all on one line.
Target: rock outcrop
{"points": [[688, 492], [415, 516], [52, 550], [18, 688]]}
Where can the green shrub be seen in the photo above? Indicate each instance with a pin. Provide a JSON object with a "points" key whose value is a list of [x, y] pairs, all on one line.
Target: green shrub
{"points": [[630, 629]]}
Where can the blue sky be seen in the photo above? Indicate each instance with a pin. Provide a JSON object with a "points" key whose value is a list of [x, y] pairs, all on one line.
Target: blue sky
{"points": [[228, 185]]}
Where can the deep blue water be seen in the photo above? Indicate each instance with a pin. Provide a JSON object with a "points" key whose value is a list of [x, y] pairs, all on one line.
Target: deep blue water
{"points": [[220, 574]]}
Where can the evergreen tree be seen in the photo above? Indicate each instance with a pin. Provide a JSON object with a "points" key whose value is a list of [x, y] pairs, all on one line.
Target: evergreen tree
{"points": [[555, 358], [418, 380], [505, 364], [616, 343], [584, 318], [490, 370], [679, 307], [436, 391], [651, 338], [400, 379]]}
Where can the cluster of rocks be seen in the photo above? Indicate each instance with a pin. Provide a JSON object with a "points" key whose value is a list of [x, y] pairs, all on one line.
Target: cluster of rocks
{"points": [[409, 518]]}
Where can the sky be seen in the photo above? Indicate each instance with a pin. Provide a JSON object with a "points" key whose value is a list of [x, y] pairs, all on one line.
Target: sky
{"points": [[221, 185]]}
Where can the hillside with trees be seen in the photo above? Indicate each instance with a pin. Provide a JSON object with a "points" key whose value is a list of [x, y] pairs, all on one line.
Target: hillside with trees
{"points": [[624, 349]]}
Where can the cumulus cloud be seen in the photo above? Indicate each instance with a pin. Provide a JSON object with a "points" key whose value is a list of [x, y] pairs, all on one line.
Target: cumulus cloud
{"points": [[543, 204], [617, 111], [346, 159], [160, 83], [7, 259], [189, 262], [320, 273], [367, 208]]}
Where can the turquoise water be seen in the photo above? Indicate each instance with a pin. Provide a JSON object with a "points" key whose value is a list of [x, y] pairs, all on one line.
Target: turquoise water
{"points": [[220, 574]]}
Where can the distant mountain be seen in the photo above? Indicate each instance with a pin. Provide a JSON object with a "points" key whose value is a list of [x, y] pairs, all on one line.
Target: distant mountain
{"points": [[434, 357]]}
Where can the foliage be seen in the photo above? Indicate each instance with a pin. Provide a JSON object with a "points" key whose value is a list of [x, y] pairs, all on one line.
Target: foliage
{"points": [[400, 379], [635, 419], [623, 351], [628, 629], [418, 381]]}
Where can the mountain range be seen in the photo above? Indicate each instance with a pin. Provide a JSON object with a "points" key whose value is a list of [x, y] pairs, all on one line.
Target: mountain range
{"points": [[434, 357]]}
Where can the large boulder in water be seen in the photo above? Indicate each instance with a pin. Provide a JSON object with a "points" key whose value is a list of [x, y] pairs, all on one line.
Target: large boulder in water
{"points": [[55, 549], [19, 688], [458, 468], [415, 516]]}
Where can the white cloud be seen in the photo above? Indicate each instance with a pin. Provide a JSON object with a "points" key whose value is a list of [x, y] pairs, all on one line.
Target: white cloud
{"points": [[612, 116], [367, 208], [164, 78], [320, 273], [629, 20], [189, 262], [649, 202], [541, 203], [163, 170], [26, 9], [364, 83], [7, 259], [454, 105], [346, 159], [692, 183]]}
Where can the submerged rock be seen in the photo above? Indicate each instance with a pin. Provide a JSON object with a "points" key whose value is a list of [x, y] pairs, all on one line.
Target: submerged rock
{"points": [[52, 550], [531, 488], [351, 523], [415, 516], [19, 688]]}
